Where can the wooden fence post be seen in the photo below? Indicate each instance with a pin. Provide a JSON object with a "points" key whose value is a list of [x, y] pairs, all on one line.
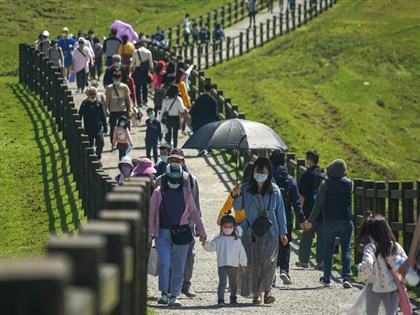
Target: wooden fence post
{"points": [[294, 19], [287, 21], [381, 193], [368, 186], [300, 169], [408, 196], [228, 48], [268, 30], [299, 15], [281, 24], [247, 39], [261, 34], [358, 217], [394, 196], [241, 42], [255, 36], [207, 54], [274, 25], [305, 12]]}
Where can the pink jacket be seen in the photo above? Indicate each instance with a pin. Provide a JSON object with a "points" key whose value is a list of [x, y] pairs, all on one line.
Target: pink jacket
{"points": [[190, 211]]}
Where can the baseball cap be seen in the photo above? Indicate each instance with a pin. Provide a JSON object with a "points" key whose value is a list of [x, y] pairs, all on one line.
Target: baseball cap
{"points": [[177, 154]]}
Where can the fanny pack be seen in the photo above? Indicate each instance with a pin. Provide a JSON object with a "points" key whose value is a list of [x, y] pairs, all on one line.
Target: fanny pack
{"points": [[261, 225]]}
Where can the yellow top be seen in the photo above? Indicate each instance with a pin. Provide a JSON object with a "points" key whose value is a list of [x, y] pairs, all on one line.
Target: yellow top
{"points": [[239, 215], [127, 49], [184, 94]]}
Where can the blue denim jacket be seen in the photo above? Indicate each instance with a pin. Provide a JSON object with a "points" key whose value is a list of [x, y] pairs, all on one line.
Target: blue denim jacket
{"points": [[249, 203]]}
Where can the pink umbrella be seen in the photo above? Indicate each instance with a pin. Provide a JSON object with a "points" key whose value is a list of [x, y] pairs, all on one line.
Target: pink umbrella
{"points": [[124, 29]]}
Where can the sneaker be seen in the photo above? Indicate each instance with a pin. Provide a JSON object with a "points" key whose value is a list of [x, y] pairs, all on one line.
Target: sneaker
{"points": [[233, 300], [324, 282], [302, 264], [285, 277], [163, 300], [319, 266], [189, 293], [347, 284], [174, 302], [220, 303]]}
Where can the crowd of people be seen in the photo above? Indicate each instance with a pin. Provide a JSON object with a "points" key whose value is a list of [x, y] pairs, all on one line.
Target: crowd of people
{"points": [[256, 222]]}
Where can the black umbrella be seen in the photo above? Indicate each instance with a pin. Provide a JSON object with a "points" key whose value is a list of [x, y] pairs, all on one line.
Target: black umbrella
{"points": [[235, 134]]}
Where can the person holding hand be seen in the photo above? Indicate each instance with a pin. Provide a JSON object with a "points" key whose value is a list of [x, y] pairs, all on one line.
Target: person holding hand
{"points": [[263, 229]]}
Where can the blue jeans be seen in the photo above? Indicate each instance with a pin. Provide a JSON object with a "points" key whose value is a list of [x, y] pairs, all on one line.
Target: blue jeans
{"points": [[171, 257], [342, 229]]}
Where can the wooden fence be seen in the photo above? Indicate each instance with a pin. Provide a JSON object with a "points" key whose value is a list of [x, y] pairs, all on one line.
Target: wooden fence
{"points": [[211, 53], [226, 16], [103, 270]]}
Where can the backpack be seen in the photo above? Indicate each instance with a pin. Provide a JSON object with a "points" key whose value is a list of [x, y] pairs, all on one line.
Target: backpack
{"points": [[218, 34], [97, 49], [203, 35], [319, 176], [284, 185], [159, 95]]}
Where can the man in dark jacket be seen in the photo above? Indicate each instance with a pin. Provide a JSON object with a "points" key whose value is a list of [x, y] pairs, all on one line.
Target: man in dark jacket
{"points": [[153, 134], [291, 197], [334, 199], [204, 110], [92, 113], [109, 72], [308, 195]]}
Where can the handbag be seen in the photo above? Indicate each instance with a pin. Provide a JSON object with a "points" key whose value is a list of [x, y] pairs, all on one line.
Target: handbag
{"points": [[153, 264], [404, 299], [165, 114], [261, 225], [186, 116], [180, 234]]}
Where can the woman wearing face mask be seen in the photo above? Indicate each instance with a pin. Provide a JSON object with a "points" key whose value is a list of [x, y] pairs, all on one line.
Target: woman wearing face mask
{"points": [[122, 137], [170, 206], [126, 168], [263, 228], [153, 134]]}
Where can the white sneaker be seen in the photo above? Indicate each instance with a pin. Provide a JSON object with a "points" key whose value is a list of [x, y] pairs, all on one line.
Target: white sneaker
{"points": [[174, 302], [163, 300]]}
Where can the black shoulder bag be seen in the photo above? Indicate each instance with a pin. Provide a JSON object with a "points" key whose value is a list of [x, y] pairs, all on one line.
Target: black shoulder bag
{"points": [[261, 225], [180, 234]]}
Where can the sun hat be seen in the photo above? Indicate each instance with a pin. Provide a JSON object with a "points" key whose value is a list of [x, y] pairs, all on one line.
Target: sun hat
{"points": [[177, 154], [145, 167], [126, 160], [81, 41], [65, 29], [45, 33]]}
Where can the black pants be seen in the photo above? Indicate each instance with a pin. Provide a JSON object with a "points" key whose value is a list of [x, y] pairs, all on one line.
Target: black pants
{"points": [[96, 138], [142, 92], [252, 18], [141, 80], [113, 118], [152, 144], [121, 153], [172, 123], [97, 68], [283, 258], [81, 79]]}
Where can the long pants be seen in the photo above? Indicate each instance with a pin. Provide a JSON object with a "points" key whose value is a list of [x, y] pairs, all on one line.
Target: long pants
{"points": [[189, 266], [152, 144], [121, 153], [113, 118], [81, 79], [389, 300], [172, 123], [252, 18], [283, 258], [141, 81], [97, 68], [343, 230], [142, 92], [171, 257], [224, 273], [306, 243], [97, 138]]}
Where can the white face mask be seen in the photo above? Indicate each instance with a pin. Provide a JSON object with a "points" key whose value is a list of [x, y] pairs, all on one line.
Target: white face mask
{"points": [[227, 231], [123, 123]]}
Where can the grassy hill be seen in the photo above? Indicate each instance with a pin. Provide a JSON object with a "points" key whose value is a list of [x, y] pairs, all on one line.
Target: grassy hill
{"points": [[37, 192], [347, 85]]}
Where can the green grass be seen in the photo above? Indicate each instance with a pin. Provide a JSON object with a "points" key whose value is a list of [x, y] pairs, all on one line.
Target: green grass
{"points": [[22, 21], [38, 195], [346, 85]]}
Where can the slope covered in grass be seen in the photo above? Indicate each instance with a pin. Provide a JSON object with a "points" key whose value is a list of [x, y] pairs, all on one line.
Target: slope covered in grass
{"points": [[347, 85], [22, 21]]}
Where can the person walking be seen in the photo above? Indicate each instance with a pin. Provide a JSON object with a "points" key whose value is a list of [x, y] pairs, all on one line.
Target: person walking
{"points": [[140, 66], [67, 44], [81, 60], [231, 259], [114, 67], [204, 110], [187, 30], [291, 197], [153, 134], [55, 54], [164, 151], [264, 226], [172, 104], [334, 199], [117, 102], [94, 121], [122, 140], [111, 45], [126, 50], [308, 187], [252, 11], [99, 54], [170, 206], [43, 44], [182, 87], [125, 165]]}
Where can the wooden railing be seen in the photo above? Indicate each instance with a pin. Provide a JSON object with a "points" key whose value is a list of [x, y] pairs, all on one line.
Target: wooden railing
{"points": [[211, 53], [103, 270]]}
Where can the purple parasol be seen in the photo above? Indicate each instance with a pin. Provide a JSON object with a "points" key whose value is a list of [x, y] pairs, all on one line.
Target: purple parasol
{"points": [[124, 29]]}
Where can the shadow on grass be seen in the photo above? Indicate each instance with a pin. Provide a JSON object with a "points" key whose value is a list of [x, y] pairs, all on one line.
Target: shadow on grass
{"points": [[43, 133]]}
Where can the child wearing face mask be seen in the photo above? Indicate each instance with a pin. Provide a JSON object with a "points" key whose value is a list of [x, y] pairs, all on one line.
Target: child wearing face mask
{"points": [[125, 166], [153, 134], [231, 258], [122, 138]]}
